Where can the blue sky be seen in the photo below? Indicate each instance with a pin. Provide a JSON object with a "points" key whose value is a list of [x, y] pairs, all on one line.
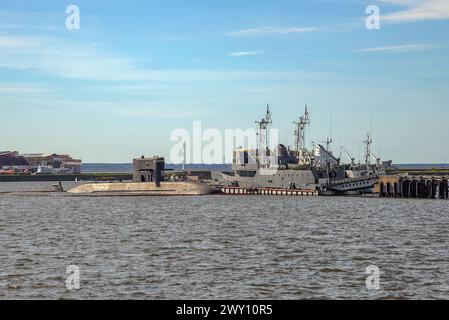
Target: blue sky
{"points": [[136, 70]]}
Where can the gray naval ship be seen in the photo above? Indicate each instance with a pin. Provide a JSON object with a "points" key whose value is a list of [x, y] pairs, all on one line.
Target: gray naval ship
{"points": [[299, 168]]}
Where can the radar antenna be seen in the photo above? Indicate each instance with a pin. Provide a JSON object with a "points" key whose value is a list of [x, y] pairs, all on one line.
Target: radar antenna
{"points": [[328, 143]]}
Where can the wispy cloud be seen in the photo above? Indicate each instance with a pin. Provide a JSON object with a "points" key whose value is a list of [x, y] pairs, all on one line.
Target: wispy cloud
{"points": [[23, 104], [244, 53], [262, 31], [417, 10], [17, 42], [401, 48], [59, 57], [21, 89], [69, 60], [153, 111]]}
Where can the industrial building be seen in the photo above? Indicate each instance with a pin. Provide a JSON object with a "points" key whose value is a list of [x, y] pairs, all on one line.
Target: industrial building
{"points": [[61, 162]]}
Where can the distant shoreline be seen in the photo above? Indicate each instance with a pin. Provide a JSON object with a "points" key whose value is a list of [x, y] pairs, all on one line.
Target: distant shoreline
{"points": [[123, 172], [109, 176], [128, 167]]}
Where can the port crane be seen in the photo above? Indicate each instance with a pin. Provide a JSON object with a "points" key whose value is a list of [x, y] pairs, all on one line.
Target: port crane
{"points": [[376, 159], [343, 150]]}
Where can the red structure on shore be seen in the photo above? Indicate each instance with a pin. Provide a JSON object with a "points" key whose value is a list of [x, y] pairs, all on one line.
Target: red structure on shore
{"points": [[13, 162]]}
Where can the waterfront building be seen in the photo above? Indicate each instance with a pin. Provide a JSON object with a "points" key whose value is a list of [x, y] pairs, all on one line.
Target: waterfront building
{"points": [[62, 163]]}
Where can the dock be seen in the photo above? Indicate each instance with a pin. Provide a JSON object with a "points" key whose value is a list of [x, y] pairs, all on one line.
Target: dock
{"points": [[421, 187], [267, 191]]}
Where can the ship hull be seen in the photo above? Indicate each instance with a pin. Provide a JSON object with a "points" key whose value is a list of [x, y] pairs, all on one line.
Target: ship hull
{"points": [[282, 179]]}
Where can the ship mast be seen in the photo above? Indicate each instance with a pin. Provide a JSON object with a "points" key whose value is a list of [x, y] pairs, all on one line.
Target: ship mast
{"points": [[263, 143], [184, 156], [329, 140], [368, 143], [328, 143], [300, 133]]}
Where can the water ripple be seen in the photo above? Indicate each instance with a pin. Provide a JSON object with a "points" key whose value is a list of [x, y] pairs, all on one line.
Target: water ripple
{"points": [[221, 247]]}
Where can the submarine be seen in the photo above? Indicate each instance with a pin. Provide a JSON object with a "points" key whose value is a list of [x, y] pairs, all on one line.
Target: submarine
{"points": [[148, 180]]}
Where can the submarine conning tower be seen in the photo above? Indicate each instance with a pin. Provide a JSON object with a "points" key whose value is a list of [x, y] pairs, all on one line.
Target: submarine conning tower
{"points": [[149, 169]]}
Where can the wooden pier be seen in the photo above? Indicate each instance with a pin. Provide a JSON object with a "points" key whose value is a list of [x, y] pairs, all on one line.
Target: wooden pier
{"points": [[267, 191], [422, 187]]}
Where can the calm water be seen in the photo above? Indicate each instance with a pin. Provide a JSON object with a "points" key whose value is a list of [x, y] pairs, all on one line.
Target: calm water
{"points": [[221, 247]]}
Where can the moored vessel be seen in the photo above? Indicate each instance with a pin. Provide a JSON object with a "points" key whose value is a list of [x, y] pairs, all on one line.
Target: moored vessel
{"points": [[148, 180], [184, 188], [298, 168]]}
